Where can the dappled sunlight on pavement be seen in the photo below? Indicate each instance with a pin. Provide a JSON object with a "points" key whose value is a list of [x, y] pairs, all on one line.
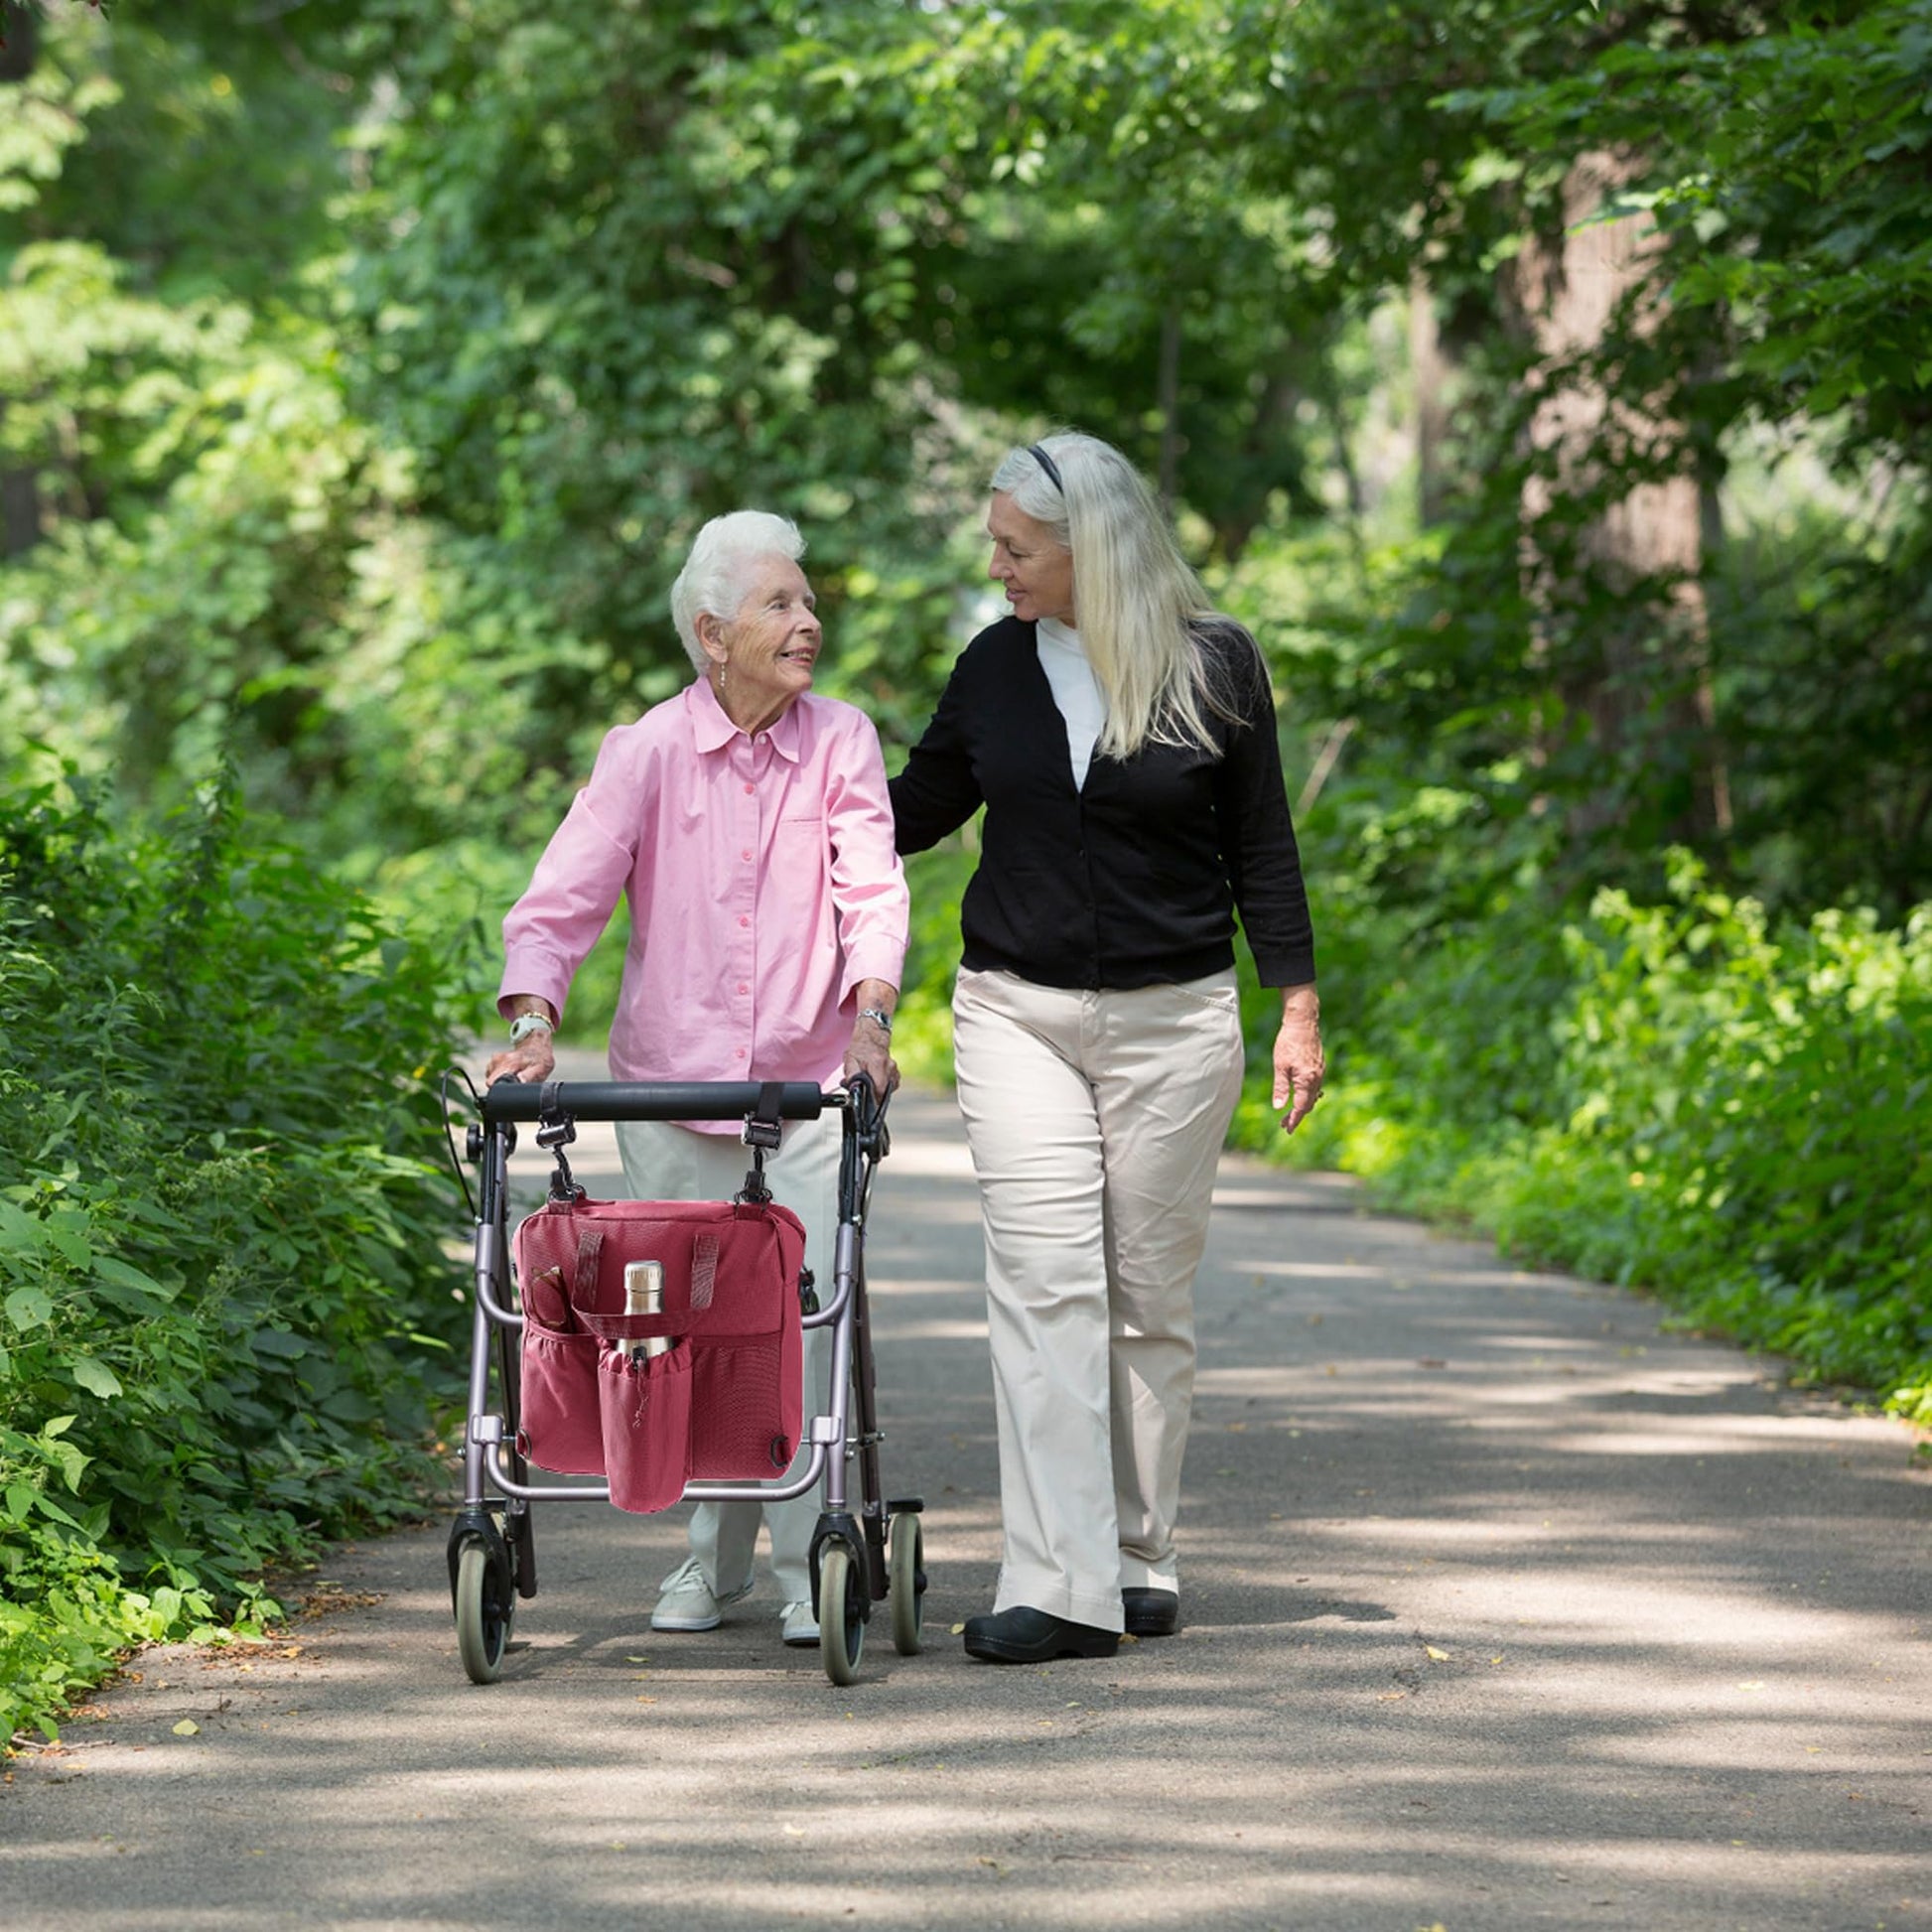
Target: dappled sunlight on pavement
{"points": [[1503, 1607]]}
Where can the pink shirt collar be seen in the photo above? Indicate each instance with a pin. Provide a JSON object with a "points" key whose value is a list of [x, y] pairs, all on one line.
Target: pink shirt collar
{"points": [[712, 728]]}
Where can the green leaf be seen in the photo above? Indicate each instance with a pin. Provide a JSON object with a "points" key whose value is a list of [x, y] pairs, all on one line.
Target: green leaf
{"points": [[96, 1377], [29, 1306], [110, 1268]]}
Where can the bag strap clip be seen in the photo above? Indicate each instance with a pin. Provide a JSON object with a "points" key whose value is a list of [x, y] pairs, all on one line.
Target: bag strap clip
{"points": [[763, 1132], [555, 1132]]}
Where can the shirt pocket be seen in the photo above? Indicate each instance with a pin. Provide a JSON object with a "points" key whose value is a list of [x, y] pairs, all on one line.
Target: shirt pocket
{"points": [[799, 848]]}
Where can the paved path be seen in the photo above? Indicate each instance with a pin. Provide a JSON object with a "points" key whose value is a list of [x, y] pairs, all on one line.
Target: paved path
{"points": [[1503, 1608]]}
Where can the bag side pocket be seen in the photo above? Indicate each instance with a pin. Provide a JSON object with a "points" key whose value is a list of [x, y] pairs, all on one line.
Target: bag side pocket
{"points": [[558, 1424], [645, 1412]]}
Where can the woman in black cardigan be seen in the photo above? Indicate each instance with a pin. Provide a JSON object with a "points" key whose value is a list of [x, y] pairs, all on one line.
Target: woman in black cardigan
{"points": [[1120, 735]]}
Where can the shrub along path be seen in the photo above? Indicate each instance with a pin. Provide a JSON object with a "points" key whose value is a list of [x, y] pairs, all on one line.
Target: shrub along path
{"points": [[1504, 1608]]}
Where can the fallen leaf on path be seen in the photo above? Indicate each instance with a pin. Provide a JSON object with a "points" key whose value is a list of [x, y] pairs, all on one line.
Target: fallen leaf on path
{"points": [[1434, 1655], [187, 1727]]}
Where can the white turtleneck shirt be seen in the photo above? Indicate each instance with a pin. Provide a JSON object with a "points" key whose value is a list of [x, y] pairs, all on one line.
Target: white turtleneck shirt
{"points": [[1075, 691]]}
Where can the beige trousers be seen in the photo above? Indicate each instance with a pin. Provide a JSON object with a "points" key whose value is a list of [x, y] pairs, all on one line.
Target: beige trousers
{"points": [[665, 1162], [1095, 1122]]}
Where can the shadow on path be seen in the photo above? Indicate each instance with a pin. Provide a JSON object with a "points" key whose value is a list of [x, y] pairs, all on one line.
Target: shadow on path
{"points": [[1503, 1608]]}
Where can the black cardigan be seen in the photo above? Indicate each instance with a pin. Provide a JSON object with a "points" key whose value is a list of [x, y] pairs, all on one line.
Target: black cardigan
{"points": [[1133, 880]]}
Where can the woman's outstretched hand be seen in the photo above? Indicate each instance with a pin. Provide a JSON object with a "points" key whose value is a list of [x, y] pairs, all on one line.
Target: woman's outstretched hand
{"points": [[1299, 1063]]}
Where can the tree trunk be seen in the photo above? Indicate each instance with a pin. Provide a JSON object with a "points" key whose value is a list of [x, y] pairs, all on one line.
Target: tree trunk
{"points": [[1633, 659], [1168, 400], [1426, 373], [20, 510], [22, 28]]}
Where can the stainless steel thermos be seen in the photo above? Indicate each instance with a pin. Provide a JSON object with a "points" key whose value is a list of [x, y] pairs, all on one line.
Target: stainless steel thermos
{"points": [[643, 1294]]}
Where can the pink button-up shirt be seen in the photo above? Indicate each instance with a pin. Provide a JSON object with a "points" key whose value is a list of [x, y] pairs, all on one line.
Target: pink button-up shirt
{"points": [[763, 888]]}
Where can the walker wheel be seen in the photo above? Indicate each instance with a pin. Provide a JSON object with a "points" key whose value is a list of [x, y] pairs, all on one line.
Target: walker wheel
{"points": [[908, 1580], [483, 1613], [841, 1614]]}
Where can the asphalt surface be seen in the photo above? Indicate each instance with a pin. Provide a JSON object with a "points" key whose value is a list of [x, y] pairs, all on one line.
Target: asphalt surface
{"points": [[1503, 1607]]}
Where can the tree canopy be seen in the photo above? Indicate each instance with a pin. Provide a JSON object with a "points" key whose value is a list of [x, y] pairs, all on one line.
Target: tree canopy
{"points": [[361, 354]]}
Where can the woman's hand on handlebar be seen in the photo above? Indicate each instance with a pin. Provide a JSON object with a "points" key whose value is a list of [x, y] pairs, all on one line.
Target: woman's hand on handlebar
{"points": [[530, 1060], [871, 1053]]}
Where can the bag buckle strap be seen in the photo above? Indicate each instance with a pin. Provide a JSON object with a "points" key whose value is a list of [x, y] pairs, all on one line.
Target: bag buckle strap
{"points": [[555, 1132], [763, 1132]]}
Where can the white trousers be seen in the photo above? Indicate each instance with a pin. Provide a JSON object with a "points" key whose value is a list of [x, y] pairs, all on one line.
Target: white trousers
{"points": [[665, 1162], [1095, 1122]]}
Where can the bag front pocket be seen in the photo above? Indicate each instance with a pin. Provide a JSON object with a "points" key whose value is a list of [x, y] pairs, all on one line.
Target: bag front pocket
{"points": [[646, 1407], [748, 1411]]}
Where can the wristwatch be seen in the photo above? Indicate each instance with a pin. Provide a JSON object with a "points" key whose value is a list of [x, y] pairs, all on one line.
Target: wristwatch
{"points": [[879, 1015], [527, 1024]]}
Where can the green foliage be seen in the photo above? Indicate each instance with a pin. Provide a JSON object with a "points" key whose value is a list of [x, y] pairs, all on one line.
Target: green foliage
{"points": [[366, 368], [602, 298], [226, 1307], [1681, 1097]]}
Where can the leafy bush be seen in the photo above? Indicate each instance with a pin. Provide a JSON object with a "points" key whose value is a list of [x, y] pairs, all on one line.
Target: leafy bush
{"points": [[1676, 1096], [226, 1307]]}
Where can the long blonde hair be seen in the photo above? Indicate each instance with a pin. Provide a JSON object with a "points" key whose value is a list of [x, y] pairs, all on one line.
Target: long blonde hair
{"points": [[1137, 602]]}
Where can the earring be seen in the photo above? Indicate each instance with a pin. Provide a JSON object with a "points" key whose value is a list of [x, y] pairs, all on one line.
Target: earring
{"points": [[721, 663]]}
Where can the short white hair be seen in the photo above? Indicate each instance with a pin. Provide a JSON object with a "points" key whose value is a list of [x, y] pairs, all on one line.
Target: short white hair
{"points": [[715, 574]]}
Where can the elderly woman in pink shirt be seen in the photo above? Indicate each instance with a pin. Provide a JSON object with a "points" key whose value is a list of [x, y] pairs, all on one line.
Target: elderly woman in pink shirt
{"points": [[747, 819]]}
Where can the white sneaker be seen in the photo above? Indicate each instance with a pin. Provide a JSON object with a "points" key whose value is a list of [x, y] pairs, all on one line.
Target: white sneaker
{"points": [[688, 1601], [801, 1626]]}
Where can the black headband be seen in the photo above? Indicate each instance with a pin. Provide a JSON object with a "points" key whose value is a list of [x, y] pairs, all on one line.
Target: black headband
{"points": [[1045, 461]]}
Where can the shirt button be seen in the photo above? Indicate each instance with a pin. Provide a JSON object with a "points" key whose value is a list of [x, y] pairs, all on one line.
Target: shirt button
{"points": [[748, 852], [740, 1054], [749, 790], [745, 918], [744, 986]]}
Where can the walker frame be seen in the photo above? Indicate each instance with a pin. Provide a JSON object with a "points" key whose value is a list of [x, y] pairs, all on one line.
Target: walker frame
{"points": [[857, 1560]]}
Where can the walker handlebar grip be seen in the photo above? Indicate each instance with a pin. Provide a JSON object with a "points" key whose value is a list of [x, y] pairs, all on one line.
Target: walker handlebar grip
{"points": [[649, 1099]]}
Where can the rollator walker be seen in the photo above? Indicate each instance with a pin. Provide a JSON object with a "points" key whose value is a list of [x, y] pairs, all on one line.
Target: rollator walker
{"points": [[876, 1555]]}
